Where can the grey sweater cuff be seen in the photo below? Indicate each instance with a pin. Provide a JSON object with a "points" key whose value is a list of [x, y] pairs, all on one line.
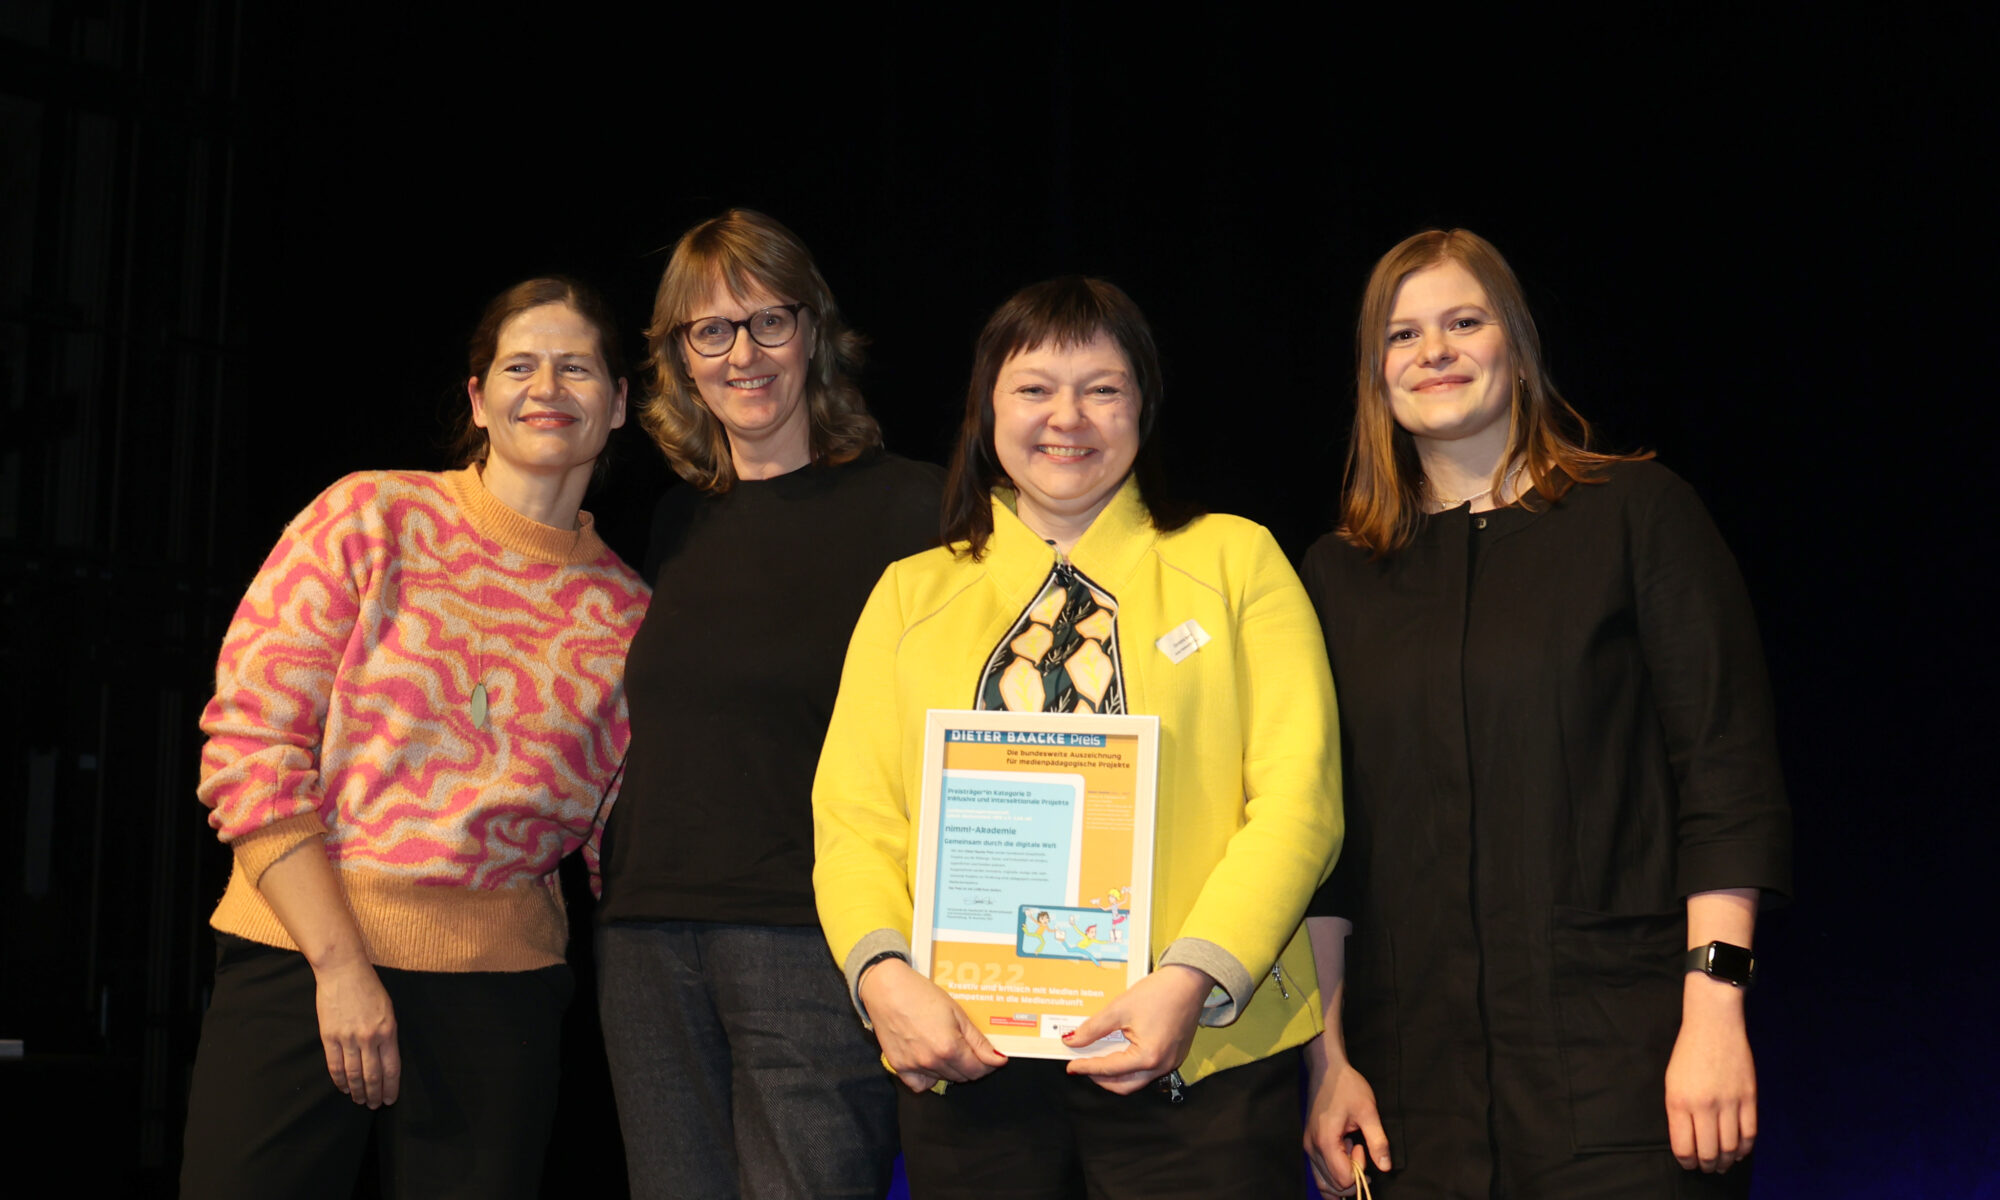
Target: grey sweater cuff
{"points": [[1222, 966], [881, 941]]}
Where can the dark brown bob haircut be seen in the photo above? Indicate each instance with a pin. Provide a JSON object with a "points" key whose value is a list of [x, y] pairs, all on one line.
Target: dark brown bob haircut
{"points": [[469, 444], [1382, 501], [750, 254], [1065, 312]]}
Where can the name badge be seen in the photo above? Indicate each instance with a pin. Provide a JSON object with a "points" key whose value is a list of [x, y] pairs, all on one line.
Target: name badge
{"points": [[1182, 640]]}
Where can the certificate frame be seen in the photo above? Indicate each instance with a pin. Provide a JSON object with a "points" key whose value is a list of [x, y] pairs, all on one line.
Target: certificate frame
{"points": [[1030, 825]]}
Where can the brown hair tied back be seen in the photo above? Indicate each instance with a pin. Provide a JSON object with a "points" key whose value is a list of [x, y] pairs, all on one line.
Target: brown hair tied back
{"points": [[469, 443]]}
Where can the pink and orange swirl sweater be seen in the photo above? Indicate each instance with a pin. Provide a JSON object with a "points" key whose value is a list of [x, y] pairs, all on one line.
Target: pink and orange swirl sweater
{"points": [[343, 708]]}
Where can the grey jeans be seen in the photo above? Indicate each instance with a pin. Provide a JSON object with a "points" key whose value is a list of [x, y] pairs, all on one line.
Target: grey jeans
{"points": [[739, 1065]]}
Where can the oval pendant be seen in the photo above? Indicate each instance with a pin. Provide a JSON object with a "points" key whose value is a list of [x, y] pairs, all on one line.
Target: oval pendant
{"points": [[479, 705]]}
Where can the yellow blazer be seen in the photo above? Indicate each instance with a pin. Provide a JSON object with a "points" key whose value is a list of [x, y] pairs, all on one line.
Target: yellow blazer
{"points": [[1249, 816]]}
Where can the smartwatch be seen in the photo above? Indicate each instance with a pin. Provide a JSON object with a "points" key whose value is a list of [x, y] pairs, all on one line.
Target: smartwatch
{"points": [[1720, 960]]}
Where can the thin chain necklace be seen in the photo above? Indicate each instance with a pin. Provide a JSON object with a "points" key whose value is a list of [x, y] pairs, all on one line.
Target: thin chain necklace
{"points": [[1445, 505]]}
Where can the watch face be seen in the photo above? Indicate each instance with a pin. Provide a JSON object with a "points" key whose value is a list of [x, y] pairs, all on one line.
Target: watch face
{"points": [[1733, 963]]}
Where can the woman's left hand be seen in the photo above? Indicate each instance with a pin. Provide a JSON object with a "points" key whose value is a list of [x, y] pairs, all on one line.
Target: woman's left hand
{"points": [[1157, 1015], [1711, 1080]]}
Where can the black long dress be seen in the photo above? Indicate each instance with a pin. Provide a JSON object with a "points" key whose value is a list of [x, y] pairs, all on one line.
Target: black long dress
{"points": [[1556, 725]]}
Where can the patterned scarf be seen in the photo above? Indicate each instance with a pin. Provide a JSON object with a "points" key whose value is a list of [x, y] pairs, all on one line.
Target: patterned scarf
{"points": [[1061, 654]]}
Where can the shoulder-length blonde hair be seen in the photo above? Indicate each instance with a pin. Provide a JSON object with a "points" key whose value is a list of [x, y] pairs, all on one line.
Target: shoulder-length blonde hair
{"points": [[748, 253], [1381, 506]]}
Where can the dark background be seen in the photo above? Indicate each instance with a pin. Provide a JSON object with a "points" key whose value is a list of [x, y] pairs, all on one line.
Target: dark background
{"points": [[241, 245]]}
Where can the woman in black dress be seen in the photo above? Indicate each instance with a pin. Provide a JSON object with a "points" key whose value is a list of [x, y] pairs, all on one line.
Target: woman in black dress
{"points": [[1563, 792]]}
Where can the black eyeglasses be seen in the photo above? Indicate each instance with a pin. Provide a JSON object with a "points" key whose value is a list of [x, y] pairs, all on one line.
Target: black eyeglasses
{"points": [[712, 337]]}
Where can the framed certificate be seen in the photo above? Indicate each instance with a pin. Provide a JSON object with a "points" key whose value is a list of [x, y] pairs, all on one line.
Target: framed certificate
{"points": [[1035, 869]]}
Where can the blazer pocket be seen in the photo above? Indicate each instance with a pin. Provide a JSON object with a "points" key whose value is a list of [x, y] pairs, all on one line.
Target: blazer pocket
{"points": [[1617, 995], [1368, 1023]]}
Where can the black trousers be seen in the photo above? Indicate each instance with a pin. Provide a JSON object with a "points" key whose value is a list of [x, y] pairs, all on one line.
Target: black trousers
{"points": [[1031, 1130], [481, 1053]]}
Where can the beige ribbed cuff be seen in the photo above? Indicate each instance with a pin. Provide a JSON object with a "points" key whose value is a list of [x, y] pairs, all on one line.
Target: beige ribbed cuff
{"points": [[257, 850], [1229, 974], [878, 942]]}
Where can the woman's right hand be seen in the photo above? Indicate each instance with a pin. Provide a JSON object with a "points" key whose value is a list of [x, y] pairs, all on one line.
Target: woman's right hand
{"points": [[357, 1024], [1340, 1104], [925, 1035], [357, 1028]]}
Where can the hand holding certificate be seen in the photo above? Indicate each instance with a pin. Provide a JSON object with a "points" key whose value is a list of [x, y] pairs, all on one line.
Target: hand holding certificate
{"points": [[1156, 1017], [924, 1035]]}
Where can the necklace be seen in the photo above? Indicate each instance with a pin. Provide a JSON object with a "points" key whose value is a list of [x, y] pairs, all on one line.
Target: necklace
{"points": [[478, 705], [1445, 505]]}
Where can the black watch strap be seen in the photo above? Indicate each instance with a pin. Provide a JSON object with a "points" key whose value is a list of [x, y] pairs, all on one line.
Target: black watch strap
{"points": [[879, 958], [1720, 960]]}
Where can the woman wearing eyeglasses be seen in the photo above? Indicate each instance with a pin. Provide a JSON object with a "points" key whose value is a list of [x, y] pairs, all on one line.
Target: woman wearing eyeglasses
{"points": [[738, 1063], [1563, 782], [1058, 522]]}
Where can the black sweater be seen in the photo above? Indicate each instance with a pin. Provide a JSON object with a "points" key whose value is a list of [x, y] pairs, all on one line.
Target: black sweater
{"points": [[732, 679]]}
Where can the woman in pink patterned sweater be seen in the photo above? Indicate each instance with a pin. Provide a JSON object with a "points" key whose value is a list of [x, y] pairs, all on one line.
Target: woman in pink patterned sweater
{"points": [[419, 710]]}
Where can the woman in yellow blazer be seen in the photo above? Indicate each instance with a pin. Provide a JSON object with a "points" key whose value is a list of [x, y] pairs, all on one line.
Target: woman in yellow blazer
{"points": [[1055, 485]]}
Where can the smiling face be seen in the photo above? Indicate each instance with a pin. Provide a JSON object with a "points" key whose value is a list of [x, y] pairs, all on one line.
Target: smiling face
{"points": [[1066, 430], [1445, 363], [548, 402], [756, 392]]}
